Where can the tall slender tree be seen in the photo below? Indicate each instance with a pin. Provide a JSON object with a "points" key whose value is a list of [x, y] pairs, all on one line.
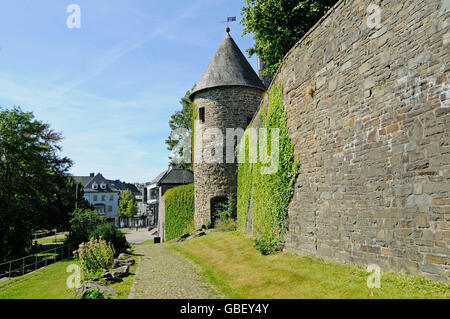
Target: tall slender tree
{"points": [[127, 205]]}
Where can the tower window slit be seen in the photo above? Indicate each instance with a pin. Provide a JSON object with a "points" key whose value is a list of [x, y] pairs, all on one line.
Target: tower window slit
{"points": [[201, 114]]}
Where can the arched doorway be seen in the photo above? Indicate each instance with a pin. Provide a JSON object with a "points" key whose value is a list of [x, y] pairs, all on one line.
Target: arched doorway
{"points": [[217, 204]]}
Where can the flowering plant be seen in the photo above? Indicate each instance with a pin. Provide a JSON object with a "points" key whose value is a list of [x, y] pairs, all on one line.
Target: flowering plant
{"points": [[95, 257]]}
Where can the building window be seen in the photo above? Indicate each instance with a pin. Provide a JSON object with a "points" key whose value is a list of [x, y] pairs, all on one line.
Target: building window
{"points": [[201, 114], [109, 209], [111, 198], [154, 192], [95, 197], [100, 208], [103, 198]]}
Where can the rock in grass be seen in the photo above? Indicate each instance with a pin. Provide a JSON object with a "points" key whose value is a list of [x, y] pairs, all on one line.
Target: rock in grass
{"points": [[123, 262], [184, 236], [120, 272], [90, 285], [199, 234], [123, 256]]}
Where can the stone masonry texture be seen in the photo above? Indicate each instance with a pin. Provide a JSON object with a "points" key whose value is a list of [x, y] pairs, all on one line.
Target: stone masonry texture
{"points": [[374, 138], [230, 107]]}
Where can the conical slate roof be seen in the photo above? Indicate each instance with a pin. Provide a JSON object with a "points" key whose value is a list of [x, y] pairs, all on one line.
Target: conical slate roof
{"points": [[229, 67]]}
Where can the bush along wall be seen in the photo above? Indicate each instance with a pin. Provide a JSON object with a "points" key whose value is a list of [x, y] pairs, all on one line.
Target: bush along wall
{"points": [[179, 202], [270, 191]]}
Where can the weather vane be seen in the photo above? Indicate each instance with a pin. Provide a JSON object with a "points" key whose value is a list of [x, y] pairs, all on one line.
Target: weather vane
{"points": [[229, 19]]}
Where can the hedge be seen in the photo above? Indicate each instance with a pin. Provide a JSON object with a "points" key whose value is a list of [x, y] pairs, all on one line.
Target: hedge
{"points": [[179, 205]]}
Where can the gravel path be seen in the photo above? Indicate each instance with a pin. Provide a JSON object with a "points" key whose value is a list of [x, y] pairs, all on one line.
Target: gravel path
{"points": [[137, 237], [164, 274]]}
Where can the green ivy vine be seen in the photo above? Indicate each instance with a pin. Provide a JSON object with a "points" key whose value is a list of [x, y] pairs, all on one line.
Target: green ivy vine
{"points": [[269, 194]]}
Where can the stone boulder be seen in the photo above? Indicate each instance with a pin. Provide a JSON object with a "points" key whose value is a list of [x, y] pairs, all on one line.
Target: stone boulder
{"points": [[116, 275], [124, 256], [120, 272], [123, 262], [90, 285], [184, 236], [199, 234]]}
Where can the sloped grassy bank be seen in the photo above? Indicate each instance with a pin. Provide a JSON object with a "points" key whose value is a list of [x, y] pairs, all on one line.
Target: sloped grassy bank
{"points": [[232, 263]]}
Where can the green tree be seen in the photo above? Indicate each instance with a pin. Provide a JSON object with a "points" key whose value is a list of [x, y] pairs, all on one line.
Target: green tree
{"points": [[68, 194], [131, 209], [83, 221], [181, 120], [127, 205], [277, 25], [29, 167]]}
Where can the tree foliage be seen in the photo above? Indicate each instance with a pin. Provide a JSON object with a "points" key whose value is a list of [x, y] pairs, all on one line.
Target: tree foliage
{"points": [[112, 236], [82, 223], [34, 186], [181, 120], [127, 204], [277, 25]]}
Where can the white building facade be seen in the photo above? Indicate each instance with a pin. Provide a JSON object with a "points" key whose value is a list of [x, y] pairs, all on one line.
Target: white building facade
{"points": [[104, 195]]}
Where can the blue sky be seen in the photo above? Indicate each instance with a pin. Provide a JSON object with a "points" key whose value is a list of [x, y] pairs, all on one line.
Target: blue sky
{"points": [[110, 86]]}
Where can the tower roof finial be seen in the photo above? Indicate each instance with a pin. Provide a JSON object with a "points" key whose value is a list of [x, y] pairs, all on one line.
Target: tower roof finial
{"points": [[229, 67]]}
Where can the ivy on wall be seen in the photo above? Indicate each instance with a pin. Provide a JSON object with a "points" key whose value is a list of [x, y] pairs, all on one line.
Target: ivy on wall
{"points": [[270, 194], [179, 202], [244, 181]]}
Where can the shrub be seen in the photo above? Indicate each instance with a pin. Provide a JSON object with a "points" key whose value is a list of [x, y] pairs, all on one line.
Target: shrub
{"points": [[225, 220], [227, 210], [94, 294], [95, 257], [179, 203], [83, 222], [268, 246], [112, 235]]}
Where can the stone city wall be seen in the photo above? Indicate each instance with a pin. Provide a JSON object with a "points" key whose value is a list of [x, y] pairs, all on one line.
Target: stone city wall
{"points": [[373, 139]]}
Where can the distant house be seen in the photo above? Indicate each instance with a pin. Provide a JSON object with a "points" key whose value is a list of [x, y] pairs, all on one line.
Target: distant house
{"points": [[143, 217], [104, 194], [168, 179]]}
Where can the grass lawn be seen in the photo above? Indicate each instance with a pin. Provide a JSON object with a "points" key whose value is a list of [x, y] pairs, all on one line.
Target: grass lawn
{"points": [[240, 271], [125, 230], [45, 283], [50, 283], [51, 239]]}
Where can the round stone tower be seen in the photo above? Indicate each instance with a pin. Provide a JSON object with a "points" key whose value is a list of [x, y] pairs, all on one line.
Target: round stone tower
{"points": [[226, 98]]}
